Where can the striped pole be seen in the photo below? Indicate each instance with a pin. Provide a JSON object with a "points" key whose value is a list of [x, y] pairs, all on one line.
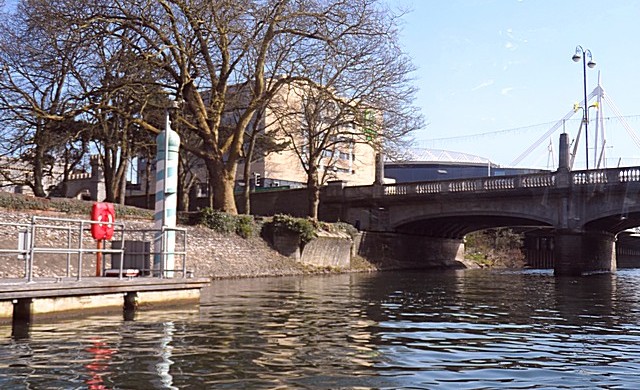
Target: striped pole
{"points": [[168, 146]]}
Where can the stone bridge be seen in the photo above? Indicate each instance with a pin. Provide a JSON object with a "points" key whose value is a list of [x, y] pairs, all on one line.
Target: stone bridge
{"points": [[584, 211]]}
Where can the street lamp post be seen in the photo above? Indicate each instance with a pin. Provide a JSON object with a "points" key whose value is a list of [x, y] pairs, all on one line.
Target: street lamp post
{"points": [[582, 54]]}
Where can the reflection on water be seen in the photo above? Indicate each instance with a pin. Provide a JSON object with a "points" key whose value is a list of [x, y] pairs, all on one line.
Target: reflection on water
{"points": [[463, 329]]}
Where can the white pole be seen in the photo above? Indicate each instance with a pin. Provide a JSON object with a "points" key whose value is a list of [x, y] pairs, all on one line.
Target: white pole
{"points": [[165, 216], [602, 161]]}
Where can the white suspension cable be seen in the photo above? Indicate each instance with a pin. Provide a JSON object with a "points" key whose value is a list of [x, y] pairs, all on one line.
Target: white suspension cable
{"points": [[624, 123], [546, 135], [575, 145]]}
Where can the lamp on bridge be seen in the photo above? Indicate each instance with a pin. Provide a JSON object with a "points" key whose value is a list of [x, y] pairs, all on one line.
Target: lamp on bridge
{"points": [[582, 54]]}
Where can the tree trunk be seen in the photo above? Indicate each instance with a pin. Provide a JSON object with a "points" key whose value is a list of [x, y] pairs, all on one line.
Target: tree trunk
{"points": [[222, 183], [183, 199], [182, 183], [313, 190], [186, 181], [38, 173], [184, 193], [109, 174], [147, 183], [246, 192], [123, 182]]}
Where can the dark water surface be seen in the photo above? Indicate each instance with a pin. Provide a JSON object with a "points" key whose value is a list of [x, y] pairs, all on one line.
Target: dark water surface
{"points": [[417, 330]]}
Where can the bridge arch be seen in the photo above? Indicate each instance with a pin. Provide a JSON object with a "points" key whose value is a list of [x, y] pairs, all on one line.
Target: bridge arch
{"points": [[456, 226], [614, 223]]}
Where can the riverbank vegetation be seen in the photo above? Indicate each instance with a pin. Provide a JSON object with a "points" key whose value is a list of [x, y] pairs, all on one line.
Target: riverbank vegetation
{"points": [[500, 248], [19, 202]]}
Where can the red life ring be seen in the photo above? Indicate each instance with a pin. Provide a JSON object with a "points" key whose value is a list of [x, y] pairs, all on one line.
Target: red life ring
{"points": [[104, 213]]}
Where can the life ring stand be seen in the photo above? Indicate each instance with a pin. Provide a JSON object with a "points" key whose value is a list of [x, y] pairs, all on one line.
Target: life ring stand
{"points": [[105, 215]]}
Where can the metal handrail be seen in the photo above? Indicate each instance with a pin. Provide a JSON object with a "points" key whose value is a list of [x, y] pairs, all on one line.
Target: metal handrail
{"points": [[77, 230]]}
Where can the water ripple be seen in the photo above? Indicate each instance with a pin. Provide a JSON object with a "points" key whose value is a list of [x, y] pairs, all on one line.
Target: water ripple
{"points": [[458, 330]]}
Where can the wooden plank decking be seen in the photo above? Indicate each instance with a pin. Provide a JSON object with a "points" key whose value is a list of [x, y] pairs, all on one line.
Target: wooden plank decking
{"points": [[65, 287], [22, 300]]}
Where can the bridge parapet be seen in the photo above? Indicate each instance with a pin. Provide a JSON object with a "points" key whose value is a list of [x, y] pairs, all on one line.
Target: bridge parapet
{"points": [[629, 174], [592, 177], [502, 183], [538, 180], [606, 176], [485, 184], [79, 176]]}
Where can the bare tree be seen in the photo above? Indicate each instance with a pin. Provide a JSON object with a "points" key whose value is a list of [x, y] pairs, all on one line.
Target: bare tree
{"points": [[188, 168], [200, 47], [38, 100], [82, 87], [357, 92], [210, 52], [259, 143], [218, 56]]}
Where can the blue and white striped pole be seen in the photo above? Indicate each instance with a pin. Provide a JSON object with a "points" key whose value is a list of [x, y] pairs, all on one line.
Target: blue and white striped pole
{"points": [[168, 146]]}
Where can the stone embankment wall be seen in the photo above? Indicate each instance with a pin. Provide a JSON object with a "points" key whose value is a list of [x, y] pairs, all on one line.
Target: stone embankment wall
{"points": [[216, 255], [210, 254]]}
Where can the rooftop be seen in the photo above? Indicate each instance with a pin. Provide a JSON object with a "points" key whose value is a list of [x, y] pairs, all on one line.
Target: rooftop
{"points": [[424, 155]]}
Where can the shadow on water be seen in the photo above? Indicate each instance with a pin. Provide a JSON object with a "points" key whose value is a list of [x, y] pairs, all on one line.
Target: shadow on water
{"points": [[21, 325], [20, 328]]}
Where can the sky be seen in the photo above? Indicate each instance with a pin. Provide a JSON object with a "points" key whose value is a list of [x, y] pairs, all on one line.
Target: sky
{"points": [[495, 75]]}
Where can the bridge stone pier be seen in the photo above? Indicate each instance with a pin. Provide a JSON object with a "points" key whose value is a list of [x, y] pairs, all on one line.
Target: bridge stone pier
{"points": [[425, 222]]}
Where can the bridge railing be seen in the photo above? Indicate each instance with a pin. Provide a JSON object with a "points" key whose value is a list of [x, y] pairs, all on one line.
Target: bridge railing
{"points": [[497, 183], [605, 176], [482, 184]]}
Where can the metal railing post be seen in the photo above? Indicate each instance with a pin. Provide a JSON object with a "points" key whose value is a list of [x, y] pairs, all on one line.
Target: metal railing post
{"points": [[80, 251], [69, 253], [31, 250], [122, 248], [184, 255]]}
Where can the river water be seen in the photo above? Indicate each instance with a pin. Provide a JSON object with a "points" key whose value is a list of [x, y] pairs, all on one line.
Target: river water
{"points": [[473, 329]]}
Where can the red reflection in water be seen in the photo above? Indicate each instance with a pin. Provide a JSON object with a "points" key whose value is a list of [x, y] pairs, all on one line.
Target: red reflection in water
{"points": [[99, 364]]}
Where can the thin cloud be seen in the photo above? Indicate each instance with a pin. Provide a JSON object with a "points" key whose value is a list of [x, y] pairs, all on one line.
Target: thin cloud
{"points": [[513, 41], [506, 91], [510, 46], [484, 84], [508, 64]]}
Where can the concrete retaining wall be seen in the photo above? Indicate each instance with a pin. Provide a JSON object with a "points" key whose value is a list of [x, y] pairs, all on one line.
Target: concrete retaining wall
{"points": [[328, 250]]}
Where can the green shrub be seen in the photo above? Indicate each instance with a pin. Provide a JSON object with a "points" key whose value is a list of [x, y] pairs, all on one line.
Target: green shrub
{"points": [[491, 246], [218, 221], [133, 212], [245, 226], [304, 227], [79, 207], [22, 202], [346, 228], [242, 225]]}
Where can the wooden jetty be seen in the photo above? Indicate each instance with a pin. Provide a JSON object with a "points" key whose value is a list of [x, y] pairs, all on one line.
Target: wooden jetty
{"points": [[77, 289], [20, 300]]}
